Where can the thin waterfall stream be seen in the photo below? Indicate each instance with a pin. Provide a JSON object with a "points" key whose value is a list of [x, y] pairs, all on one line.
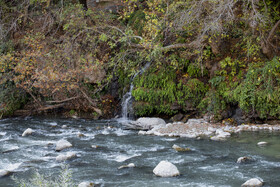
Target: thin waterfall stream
{"points": [[127, 108]]}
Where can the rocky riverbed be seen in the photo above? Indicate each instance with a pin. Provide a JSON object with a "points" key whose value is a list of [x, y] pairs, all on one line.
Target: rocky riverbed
{"points": [[198, 128], [104, 153]]}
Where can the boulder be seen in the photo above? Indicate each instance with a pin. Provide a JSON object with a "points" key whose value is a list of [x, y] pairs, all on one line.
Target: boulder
{"points": [[166, 169], [244, 159], [86, 184], [130, 165], [262, 143], [4, 173], [254, 182], [80, 135], [27, 132], [62, 144], [177, 117], [66, 156], [180, 149], [144, 123], [149, 123]]}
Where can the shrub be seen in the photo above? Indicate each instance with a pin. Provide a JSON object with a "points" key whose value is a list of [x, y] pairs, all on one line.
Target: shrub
{"points": [[39, 180]]}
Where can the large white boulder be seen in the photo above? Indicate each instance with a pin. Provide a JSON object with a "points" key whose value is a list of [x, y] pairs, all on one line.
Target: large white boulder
{"points": [[27, 132], [166, 169], [66, 156], [254, 182], [149, 123], [4, 172], [62, 144], [86, 184], [144, 123]]}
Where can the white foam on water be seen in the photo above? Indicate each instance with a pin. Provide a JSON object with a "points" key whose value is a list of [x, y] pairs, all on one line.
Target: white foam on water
{"points": [[168, 139], [8, 147], [105, 131], [269, 163], [3, 133], [121, 132], [6, 165], [120, 157], [53, 123], [6, 138]]}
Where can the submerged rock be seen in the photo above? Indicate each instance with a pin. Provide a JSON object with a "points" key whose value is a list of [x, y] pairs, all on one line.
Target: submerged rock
{"points": [[180, 149], [66, 156], [80, 135], [62, 144], [4, 173], [244, 159], [254, 182], [27, 132], [262, 143], [166, 169], [130, 165], [86, 184]]}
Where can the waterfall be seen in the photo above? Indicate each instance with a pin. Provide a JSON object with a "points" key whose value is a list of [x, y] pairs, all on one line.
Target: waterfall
{"points": [[127, 108]]}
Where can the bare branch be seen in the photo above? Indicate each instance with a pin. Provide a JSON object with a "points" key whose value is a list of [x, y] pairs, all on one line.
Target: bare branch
{"points": [[63, 101], [272, 31]]}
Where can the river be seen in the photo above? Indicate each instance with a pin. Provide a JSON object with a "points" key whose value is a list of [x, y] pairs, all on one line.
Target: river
{"points": [[210, 163]]}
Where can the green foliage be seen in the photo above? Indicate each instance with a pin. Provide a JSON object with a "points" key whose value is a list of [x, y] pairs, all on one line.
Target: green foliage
{"points": [[259, 93], [11, 98], [220, 96], [157, 89], [137, 21], [64, 179]]}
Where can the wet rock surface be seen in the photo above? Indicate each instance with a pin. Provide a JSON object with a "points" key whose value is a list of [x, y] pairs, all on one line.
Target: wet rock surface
{"points": [[166, 169]]}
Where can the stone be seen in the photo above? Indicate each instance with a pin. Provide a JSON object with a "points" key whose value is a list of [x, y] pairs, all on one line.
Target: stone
{"points": [[66, 156], [62, 144], [180, 149], [262, 143], [64, 126], [80, 135], [220, 135], [144, 123], [86, 184], [94, 146], [166, 169], [28, 131], [254, 182], [149, 123], [130, 165], [4, 173], [244, 159], [177, 117]]}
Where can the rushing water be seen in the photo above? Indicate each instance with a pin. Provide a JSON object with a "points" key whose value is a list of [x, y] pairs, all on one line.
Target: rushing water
{"points": [[209, 164], [127, 109]]}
